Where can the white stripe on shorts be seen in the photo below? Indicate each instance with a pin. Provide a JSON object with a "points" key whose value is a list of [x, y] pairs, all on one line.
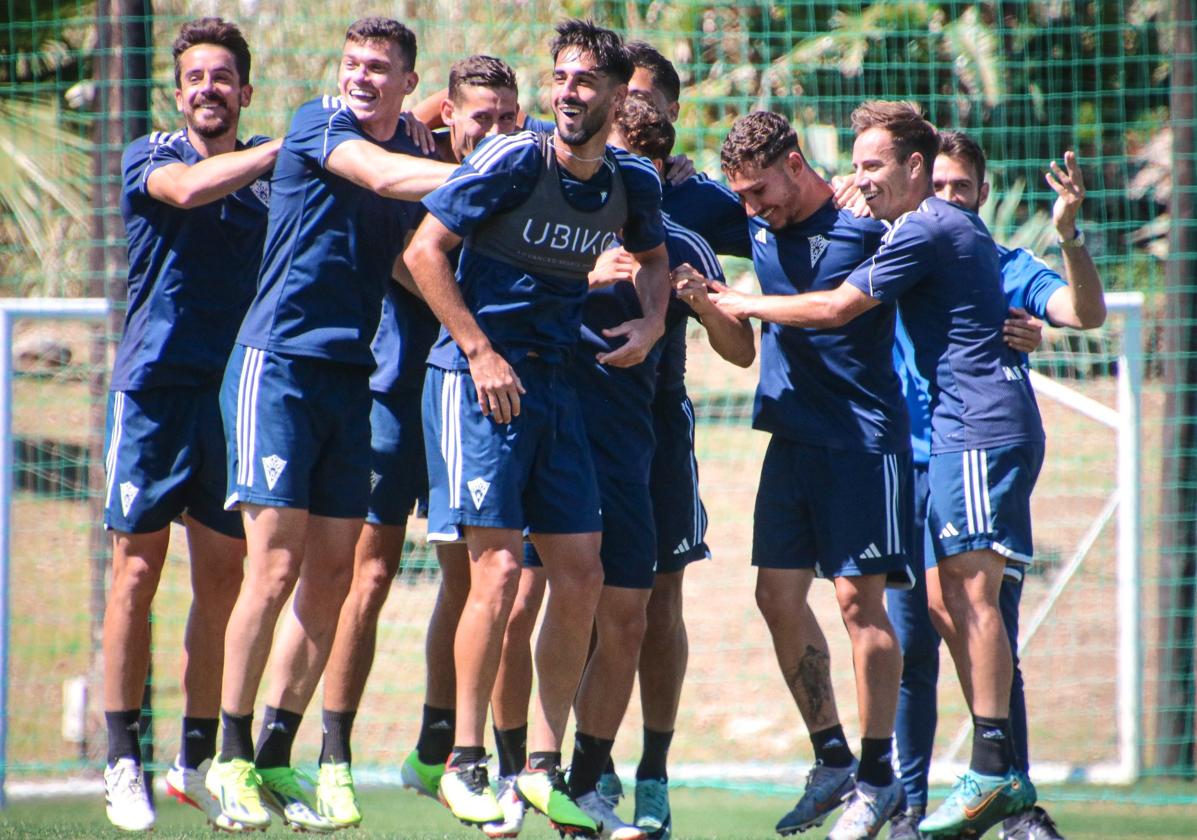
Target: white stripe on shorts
{"points": [[893, 534], [247, 414], [451, 433], [699, 516], [976, 491], [114, 445]]}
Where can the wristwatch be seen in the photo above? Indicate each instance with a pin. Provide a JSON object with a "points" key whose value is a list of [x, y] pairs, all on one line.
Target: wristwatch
{"points": [[1077, 241]]}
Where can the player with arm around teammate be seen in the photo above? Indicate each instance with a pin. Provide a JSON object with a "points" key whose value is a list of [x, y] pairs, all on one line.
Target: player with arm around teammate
{"points": [[835, 483], [1030, 286], [941, 266], [505, 443], [194, 204], [296, 404]]}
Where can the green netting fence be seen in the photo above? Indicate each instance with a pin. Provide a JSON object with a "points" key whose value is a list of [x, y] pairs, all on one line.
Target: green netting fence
{"points": [[1111, 80]]}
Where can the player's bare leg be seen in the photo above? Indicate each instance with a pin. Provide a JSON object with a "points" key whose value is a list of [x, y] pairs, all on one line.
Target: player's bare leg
{"points": [[217, 564], [664, 654], [805, 662], [575, 577], [376, 561], [962, 594], [799, 643], [876, 655], [137, 561], [511, 696], [575, 580], [496, 557], [422, 768]]}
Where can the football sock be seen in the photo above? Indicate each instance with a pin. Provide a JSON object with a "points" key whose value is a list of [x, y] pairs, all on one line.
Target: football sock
{"points": [[656, 752], [279, 728], [590, 757], [334, 745], [238, 741], [199, 741], [876, 762], [124, 730], [436, 735], [993, 749], [547, 761], [512, 746], [831, 747], [461, 756]]}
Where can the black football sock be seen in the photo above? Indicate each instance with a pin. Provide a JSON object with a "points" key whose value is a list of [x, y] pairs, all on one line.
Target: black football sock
{"points": [[237, 740], [656, 753], [462, 756], [993, 748], [334, 743], [199, 741], [436, 735], [547, 761], [831, 747], [589, 759], [279, 728], [512, 746], [876, 762], [124, 732]]}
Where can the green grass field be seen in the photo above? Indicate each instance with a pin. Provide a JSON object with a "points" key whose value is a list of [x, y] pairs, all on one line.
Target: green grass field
{"points": [[700, 813]]}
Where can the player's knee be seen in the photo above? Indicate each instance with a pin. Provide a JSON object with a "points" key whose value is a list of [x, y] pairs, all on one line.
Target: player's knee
{"points": [[372, 584], [136, 583], [774, 606], [579, 581]]}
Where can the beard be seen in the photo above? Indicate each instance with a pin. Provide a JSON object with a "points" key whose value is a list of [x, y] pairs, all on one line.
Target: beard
{"points": [[210, 126], [590, 125]]}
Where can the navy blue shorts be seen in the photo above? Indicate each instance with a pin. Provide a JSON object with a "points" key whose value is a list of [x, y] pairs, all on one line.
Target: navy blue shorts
{"points": [[842, 513], [298, 432], [981, 499], [534, 472], [681, 519], [164, 456], [629, 538], [398, 471]]}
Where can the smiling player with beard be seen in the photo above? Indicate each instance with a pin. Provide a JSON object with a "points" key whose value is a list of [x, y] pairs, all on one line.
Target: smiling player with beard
{"points": [[194, 204]]}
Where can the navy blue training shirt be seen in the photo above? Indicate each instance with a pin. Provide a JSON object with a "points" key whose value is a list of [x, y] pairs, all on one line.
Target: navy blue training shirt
{"points": [[192, 272], [827, 387], [520, 312], [942, 267], [1027, 282], [711, 210], [684, 246], [617, 402], [330, 244]]}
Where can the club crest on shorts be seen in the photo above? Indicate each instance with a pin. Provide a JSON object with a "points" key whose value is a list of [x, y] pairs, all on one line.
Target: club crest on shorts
{"points": [[274, 466], [129, 492], [374, 479], [818, 244], [478, 487]]}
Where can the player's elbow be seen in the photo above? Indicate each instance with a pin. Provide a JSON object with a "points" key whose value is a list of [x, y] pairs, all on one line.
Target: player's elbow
{"points": [[1092, 320], [742, 354]]}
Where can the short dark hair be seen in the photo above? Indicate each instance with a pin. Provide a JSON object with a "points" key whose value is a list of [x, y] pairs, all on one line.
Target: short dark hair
{"points": [[906, 125], [604, 46], [665, 77], [959, 146], [480, 71], [213, 30], [644, 128], [757, 140], [385, 29]]}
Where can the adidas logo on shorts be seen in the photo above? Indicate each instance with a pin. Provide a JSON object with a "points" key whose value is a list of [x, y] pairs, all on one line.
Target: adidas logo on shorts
{"points": [[949, 530], [870, 553]]}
